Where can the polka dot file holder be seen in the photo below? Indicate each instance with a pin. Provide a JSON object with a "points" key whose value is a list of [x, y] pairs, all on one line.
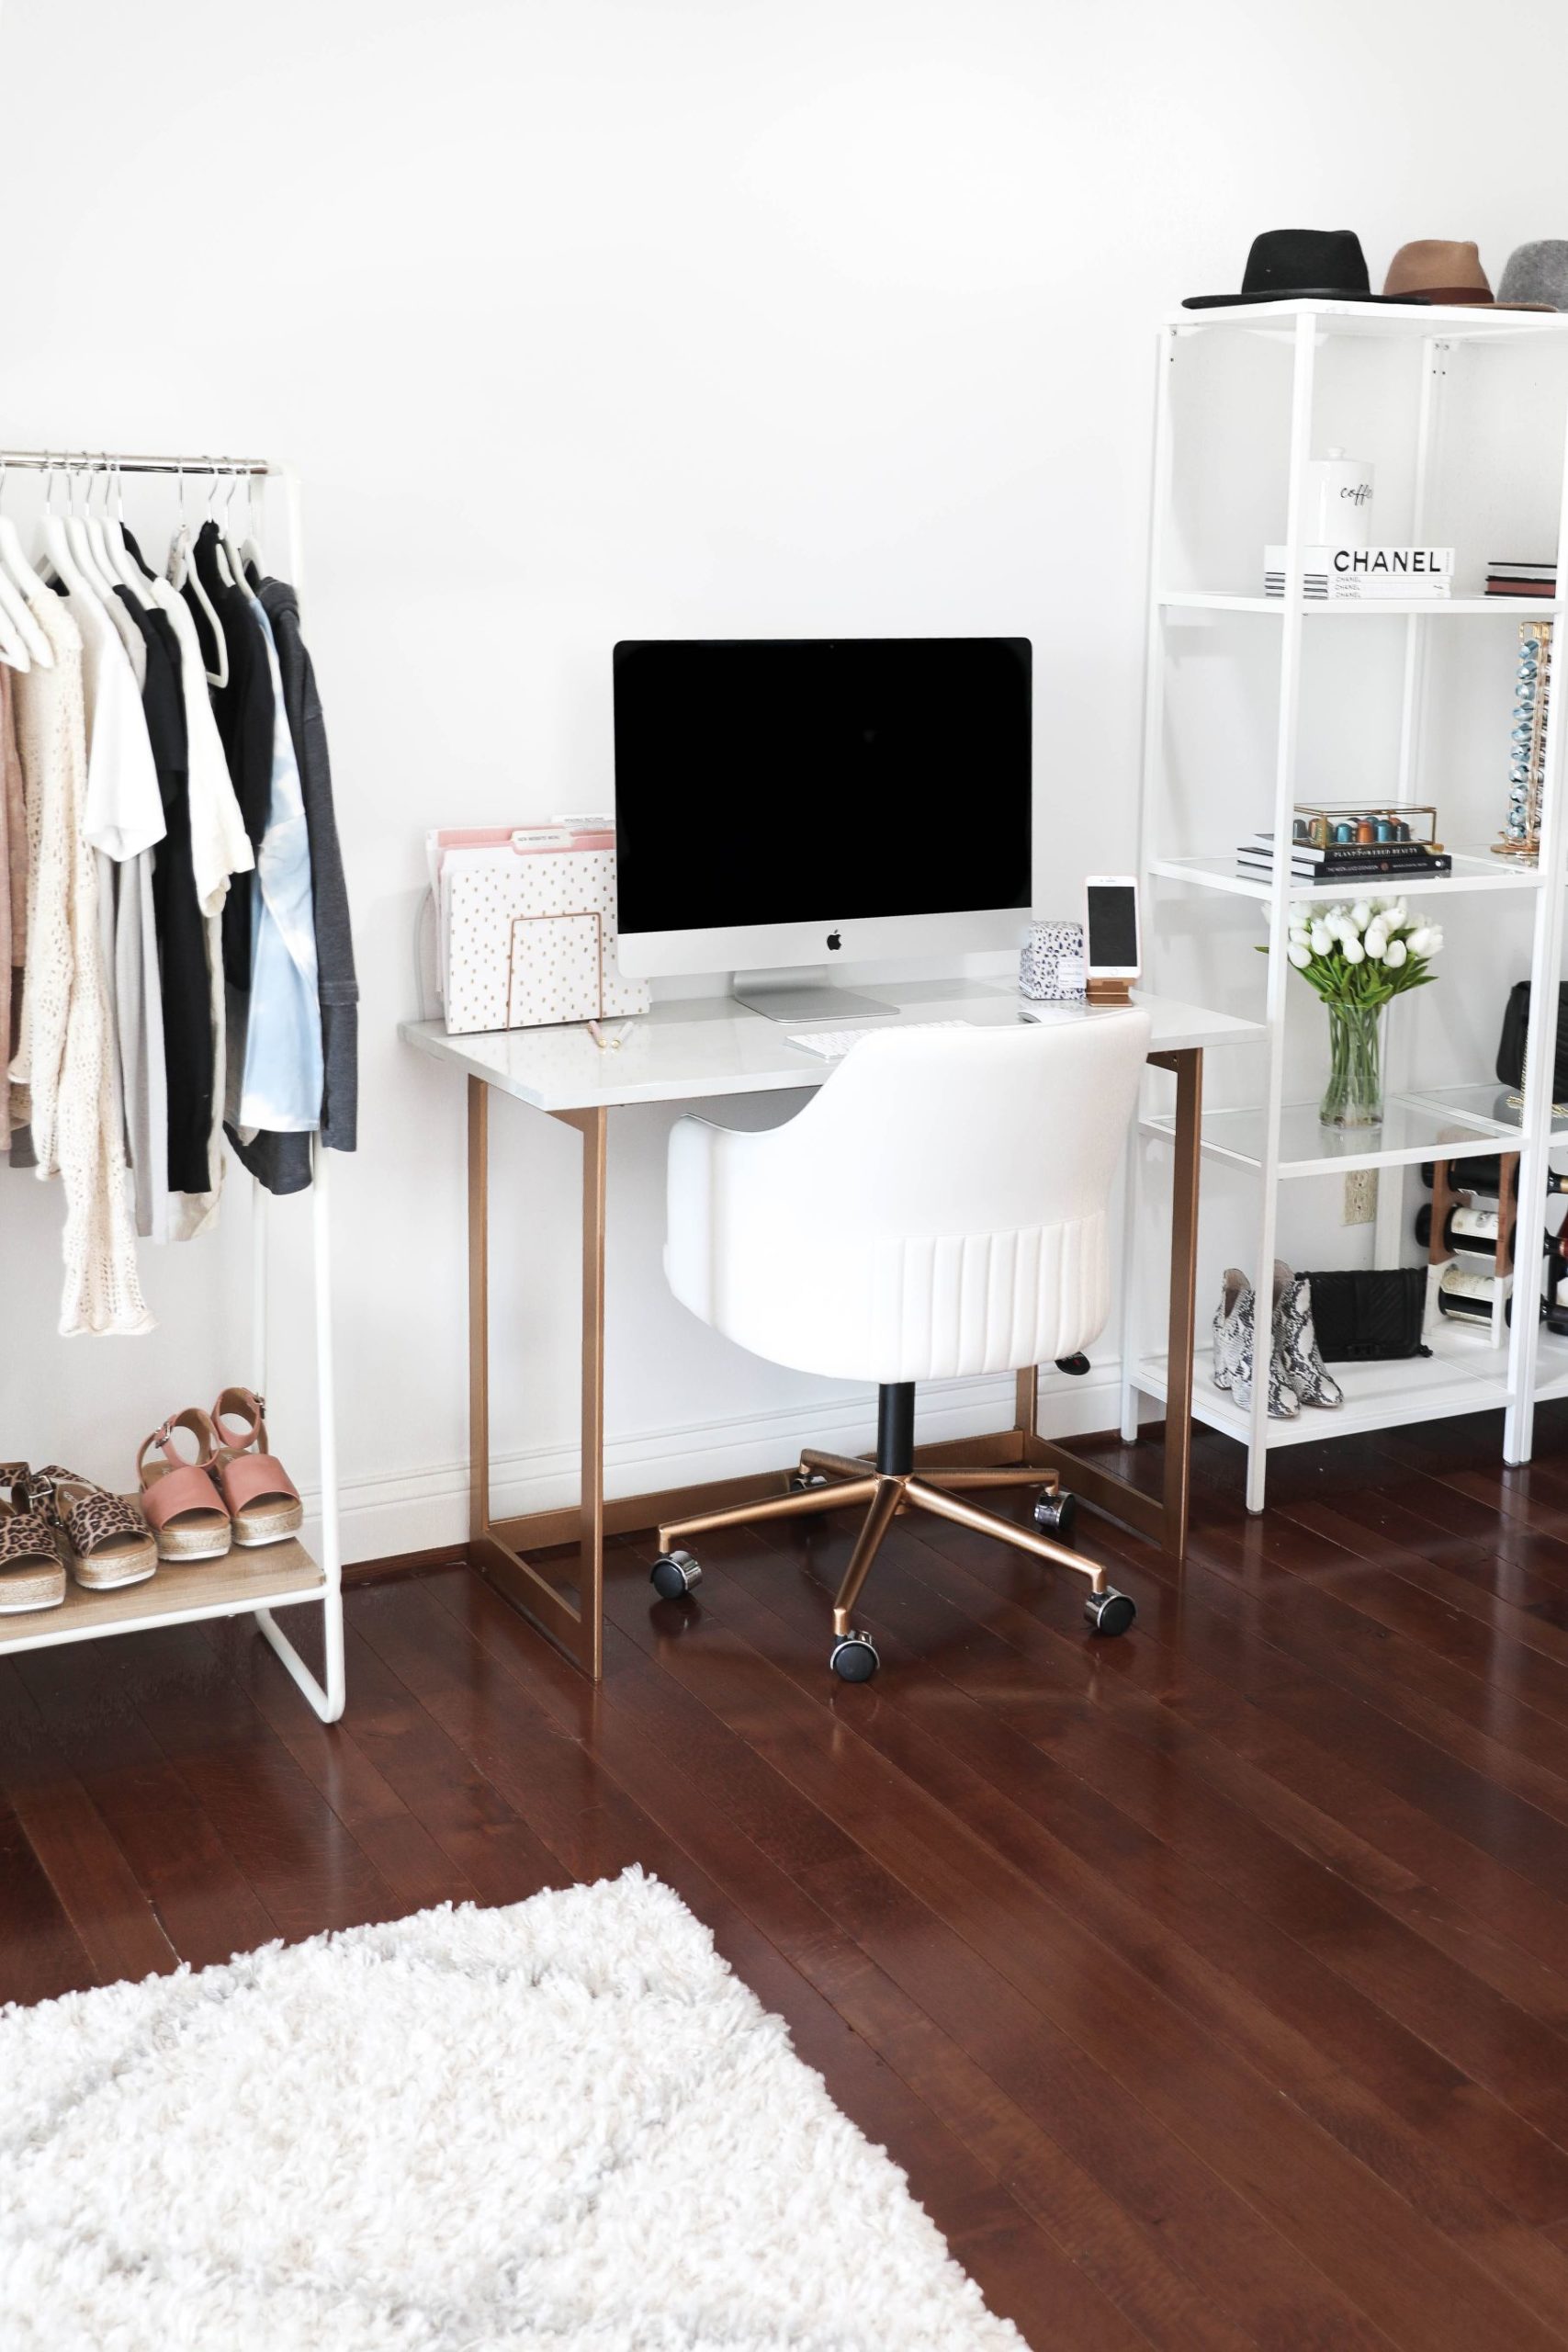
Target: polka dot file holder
{"points": [[531, 941]]}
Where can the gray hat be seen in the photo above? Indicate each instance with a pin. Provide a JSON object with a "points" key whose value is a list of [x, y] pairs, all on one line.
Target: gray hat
{"points": [[1538, 274]]}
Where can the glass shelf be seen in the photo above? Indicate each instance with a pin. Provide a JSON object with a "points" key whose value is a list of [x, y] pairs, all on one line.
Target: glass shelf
{"points": [[1415, 1127], [1221, 600], [1473, 870], [1499, 1105]]}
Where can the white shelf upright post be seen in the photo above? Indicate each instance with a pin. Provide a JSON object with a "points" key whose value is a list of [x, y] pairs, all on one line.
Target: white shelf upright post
{"points": [[1301, 382], [1541, 1052], [1388, 1223], [1154, 722]]}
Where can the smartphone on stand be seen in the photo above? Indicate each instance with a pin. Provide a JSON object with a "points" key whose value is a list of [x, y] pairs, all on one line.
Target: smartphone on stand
{"points": [[1113, 948]]}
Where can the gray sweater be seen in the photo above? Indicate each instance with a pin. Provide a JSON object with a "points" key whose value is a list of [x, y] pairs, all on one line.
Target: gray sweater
{"points": [[282, 1162]]}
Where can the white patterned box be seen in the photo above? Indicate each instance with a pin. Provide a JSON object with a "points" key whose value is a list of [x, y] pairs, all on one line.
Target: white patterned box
{"points": [[531, 939], [1051, 966]]}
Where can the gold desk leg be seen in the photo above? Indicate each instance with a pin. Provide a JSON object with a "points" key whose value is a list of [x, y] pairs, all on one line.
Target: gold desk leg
{"points": [[1026, 1411], [1164, 1522], [592, 1125], [479, 1310], [578, 1631]]}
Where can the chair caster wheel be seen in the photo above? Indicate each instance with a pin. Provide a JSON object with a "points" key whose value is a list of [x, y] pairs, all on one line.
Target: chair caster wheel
{"points": [[854, 1658], [1109, 1612], [674, 1575], [1054, 1512], [801, 1482]]}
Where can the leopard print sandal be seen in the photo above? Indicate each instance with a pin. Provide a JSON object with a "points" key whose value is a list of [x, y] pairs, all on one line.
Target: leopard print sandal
{"points": [[187, 1514], [109, 1543], [32, 1574]]}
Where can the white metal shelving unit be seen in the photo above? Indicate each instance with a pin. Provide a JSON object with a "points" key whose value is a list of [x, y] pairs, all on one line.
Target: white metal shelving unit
{"points": [[276, 1575], [1275, 1140]]}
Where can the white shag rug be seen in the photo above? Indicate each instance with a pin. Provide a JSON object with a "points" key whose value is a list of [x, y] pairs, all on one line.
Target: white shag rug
{"points": [[565, 2124]]}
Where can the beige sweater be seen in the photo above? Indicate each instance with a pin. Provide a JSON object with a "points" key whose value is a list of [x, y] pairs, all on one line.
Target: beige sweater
{"points": [[14, 866], [65, 1053]]}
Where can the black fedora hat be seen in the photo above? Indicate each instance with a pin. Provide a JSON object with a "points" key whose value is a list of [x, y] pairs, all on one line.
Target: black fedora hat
{"points": [[1299, 265]]}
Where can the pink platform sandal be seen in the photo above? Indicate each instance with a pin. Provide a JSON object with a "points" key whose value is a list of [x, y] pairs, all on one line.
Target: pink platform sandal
{"points": [[183, 1508], [263, 1499]]}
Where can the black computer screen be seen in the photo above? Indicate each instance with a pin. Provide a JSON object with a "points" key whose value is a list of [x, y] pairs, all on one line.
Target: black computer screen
{"points": [[772, 781]]}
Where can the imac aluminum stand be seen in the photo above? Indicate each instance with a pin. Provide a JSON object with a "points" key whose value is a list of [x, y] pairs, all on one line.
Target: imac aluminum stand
{"points": [[806, 995]]}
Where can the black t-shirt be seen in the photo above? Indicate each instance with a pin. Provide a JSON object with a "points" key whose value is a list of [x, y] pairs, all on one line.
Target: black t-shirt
{"points": [[185, 983], [243, 710]]}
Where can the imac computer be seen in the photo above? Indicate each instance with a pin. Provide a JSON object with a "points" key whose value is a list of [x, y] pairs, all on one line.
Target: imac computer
{"points": [[785, 803]]}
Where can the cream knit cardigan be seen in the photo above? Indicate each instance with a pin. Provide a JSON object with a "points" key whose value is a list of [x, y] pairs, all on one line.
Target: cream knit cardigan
{"points": [[65, 1052]]}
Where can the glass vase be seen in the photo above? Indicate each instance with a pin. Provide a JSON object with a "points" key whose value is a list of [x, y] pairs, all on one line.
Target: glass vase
{"points": [[1353, 1097]]}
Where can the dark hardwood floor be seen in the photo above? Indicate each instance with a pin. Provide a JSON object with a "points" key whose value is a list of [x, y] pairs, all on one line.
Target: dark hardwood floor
{"points": [[1211, 1984]]}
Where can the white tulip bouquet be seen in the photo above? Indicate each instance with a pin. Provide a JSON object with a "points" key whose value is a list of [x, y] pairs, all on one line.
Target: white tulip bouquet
{"points": [[1358, 955]]}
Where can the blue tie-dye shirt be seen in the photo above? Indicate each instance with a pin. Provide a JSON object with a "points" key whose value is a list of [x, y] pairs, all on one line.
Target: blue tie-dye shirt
{"points": [[280, 1087]]}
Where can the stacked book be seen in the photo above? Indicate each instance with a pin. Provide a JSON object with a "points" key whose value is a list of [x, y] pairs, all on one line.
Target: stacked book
{"points": [[1505, 578], [1364, 575], [1342, 861]]}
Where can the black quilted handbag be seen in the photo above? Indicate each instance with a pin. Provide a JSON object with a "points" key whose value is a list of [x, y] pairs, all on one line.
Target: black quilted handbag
{"points": [[1363, 1317], [1516, 1031]]}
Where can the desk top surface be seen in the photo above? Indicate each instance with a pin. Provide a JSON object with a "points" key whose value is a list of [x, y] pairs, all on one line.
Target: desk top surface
{"points": [[697, 1048]]}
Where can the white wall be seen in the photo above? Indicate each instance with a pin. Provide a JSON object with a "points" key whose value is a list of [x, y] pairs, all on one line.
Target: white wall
{"points": [[591, 318]]}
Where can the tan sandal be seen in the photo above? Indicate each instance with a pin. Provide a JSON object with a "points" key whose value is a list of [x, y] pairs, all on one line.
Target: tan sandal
{"points": [[264, 1502], [32, 1574], [108, 1542], [186, 1511]]}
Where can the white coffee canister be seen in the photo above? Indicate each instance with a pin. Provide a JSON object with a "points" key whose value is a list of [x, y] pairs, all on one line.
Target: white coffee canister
{"points": [[1338, 501]]}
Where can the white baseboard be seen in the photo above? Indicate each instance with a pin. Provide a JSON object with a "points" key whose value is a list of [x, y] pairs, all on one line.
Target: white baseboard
{"points": [[418, 1510]]}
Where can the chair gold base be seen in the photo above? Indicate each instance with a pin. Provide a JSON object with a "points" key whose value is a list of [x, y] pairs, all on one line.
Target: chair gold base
{"points": [[844, 1481]]}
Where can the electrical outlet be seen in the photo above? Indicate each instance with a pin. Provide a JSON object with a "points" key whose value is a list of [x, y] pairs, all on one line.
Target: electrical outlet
{"points": [[1361, 1196]]}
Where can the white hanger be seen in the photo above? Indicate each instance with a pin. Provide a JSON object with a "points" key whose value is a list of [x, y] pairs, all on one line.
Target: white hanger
{"points": [[93, 525], [183, 570], [16, 649], [19, 581], [13, 646], [58, 544], [122, 564], [250, 546], [79, 541], [229, 543]]}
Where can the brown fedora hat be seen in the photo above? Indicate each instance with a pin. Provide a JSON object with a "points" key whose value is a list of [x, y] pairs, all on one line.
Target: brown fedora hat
{"points": [[1434, 270]]}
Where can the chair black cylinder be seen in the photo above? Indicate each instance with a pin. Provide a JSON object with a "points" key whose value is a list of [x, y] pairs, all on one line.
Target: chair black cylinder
{"points": [[896, 1429]]}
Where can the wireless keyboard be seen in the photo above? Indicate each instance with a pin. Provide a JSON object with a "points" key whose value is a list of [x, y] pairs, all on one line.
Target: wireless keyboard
{"points": [[832, 1045]]}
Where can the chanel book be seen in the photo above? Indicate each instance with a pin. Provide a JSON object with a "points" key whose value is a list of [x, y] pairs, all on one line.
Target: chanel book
{"points": [[1363, 575]]}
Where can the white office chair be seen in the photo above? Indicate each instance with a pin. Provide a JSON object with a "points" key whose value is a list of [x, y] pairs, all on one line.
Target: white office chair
{"points": [[940, 1208]]}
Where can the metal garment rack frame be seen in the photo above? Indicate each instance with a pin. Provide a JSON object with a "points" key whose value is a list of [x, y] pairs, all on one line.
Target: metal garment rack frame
{"points": [[326, 1699]]}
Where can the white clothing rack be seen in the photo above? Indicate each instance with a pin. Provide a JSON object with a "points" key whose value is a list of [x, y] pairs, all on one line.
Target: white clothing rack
{"points": [[278, 1576], [111, 461]]}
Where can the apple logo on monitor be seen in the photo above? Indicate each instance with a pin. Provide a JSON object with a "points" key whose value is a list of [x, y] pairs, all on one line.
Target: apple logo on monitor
{"points": [[834, 941]]}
